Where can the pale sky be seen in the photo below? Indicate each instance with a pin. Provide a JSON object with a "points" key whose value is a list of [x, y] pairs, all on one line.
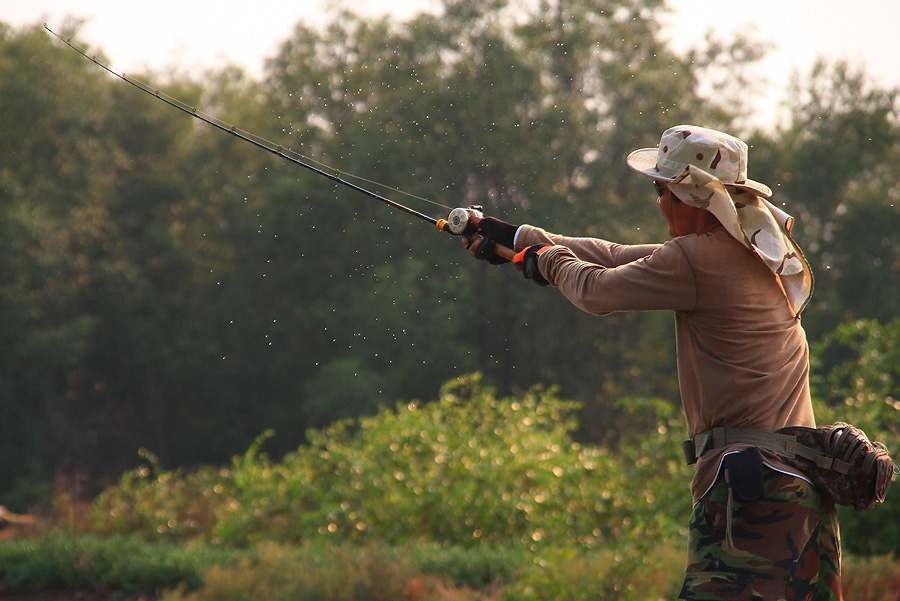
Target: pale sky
{"points": [[189, 36]]}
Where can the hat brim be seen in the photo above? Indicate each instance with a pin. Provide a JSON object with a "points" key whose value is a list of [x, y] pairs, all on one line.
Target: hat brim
{"points": [[643, 161]]}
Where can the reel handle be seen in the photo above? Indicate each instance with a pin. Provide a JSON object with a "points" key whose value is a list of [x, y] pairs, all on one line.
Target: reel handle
{"points": [[459, 223]]}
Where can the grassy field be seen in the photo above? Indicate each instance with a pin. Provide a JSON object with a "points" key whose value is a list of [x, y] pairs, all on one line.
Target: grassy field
{"points": [[59, 565], [66, 566]]}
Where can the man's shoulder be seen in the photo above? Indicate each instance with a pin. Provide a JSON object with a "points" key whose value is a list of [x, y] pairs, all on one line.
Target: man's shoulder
{"points": [[715, 245]]}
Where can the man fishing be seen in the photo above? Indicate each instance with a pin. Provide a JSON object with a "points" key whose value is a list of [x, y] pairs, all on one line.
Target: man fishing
{"points": [[737, 284]]}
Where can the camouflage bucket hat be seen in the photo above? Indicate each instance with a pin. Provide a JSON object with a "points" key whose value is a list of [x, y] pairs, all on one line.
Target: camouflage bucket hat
{"points": [[697, 164], [722, 156]]}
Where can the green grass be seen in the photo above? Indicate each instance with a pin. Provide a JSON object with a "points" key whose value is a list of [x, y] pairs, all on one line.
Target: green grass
{"points": [[130, 567]]}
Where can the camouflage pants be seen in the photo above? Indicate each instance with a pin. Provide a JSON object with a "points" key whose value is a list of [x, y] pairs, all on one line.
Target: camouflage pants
{"points": [[786, 546]]}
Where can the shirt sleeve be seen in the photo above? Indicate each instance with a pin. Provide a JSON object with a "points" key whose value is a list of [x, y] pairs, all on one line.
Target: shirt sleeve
{"points": [[592, 250], [660, 280]]}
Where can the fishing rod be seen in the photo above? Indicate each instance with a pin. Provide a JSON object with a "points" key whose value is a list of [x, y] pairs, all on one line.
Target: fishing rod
{"points": [[458, 222]]}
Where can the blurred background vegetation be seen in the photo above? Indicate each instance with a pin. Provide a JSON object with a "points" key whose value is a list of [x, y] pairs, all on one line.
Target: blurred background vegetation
{"points": [[164, 286]]}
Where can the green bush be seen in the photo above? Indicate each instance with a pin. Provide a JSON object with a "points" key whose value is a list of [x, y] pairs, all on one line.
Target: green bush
{"points": [[856, 379], [466, 470], [474, 567], [120, 563], [163, 504], [567, 575]]}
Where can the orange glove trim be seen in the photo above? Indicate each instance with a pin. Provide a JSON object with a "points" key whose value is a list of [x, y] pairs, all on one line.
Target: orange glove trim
{"points": [[519, 259]]}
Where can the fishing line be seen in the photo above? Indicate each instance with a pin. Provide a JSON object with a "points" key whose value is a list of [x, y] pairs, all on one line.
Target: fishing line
{"points": [[457, 223]]}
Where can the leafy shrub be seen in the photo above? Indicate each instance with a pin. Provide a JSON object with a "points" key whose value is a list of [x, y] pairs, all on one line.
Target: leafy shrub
{"points": [[856, 372], [856, 375], [164, 504], [474, 567], [466, 470], [88, 562], [566, 575]]}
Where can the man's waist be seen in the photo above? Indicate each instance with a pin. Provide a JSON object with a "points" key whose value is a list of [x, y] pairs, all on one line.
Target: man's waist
{"points": [[783, 445]]}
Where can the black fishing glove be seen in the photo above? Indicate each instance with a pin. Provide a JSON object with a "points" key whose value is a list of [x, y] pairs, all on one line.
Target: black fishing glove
{"points": [[494, 232], [486, 252], [499, 231], [527, 262]]}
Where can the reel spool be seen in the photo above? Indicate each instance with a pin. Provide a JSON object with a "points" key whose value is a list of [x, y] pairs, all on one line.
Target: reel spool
{"points": [[457, 222]]}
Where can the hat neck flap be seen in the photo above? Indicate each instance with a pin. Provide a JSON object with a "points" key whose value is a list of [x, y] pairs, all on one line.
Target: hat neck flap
{"points": [[757, 224]]}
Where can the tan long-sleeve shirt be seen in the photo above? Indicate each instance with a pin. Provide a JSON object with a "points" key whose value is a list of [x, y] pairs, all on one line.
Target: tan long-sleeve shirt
{"points": [[743, 359]]}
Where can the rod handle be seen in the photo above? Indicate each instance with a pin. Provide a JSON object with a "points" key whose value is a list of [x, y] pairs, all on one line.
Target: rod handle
{"points": [[503, 251]]}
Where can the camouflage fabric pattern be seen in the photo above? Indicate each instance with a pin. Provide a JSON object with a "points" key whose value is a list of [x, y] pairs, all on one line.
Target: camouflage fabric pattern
{"points": [[870, 471], [786, 546]]}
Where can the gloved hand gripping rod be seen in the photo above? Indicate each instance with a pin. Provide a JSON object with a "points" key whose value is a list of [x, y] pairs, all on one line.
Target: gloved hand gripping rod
{"points": [[457, 223]]}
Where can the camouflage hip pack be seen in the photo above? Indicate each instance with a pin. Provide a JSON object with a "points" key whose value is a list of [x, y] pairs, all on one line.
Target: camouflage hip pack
{"points": [[838, 458], [860, 470]]}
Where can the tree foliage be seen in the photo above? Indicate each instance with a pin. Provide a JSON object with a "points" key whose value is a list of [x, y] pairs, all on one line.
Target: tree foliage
{"points": [[832, 166]]}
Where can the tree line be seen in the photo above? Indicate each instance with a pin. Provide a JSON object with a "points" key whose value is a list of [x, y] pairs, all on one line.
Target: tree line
{"points": [[166, 286]]}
